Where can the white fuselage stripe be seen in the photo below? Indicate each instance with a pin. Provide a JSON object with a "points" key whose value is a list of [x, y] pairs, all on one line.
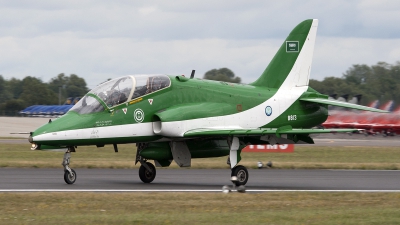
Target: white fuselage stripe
{"points": [[116, 131]]}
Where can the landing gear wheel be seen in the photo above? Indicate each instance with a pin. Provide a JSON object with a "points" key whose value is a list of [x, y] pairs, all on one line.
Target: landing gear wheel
{"points": [[70, 178], [241, 173], [145, 175]]}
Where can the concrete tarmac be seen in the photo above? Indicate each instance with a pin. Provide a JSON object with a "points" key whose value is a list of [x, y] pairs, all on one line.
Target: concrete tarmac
{"points": [[12, 125], [200, 179]]}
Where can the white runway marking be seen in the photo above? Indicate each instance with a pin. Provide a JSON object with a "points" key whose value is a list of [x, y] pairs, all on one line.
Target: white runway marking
{"points": [[177, 190]]}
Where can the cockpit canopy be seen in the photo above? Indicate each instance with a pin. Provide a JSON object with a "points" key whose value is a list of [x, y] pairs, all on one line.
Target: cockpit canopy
{"points": [[120, 90]]}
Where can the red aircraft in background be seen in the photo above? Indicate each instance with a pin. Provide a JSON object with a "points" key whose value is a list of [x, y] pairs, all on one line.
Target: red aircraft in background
{"points": [[388, 124], [371, 123], [341, 118]]}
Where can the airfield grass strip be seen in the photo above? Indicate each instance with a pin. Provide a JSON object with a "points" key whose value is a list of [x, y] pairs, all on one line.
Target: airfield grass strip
{"points": [[199, 208], [304, 157]]}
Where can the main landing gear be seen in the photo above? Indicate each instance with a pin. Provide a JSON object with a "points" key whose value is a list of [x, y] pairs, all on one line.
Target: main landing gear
{"points": [[241, 174], [147, 172], [239, 178], [69, 174]]}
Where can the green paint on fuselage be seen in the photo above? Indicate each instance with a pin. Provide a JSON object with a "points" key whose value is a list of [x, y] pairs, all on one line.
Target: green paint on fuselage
{"points": [[194, 98]]}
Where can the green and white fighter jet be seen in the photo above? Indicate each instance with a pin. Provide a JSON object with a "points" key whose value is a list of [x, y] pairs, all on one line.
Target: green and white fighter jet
{"points": [[177, 118]]}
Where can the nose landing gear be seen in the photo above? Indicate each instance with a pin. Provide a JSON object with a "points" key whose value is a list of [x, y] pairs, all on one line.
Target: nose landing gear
{"points": [[69, 174]]}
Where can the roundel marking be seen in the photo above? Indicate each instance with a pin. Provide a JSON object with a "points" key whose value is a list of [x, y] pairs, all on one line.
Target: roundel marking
{"points": [[268, 110], [138, 115]]}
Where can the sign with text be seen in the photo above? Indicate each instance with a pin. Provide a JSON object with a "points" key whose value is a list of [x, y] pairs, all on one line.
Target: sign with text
{"points": [[285, 148]]}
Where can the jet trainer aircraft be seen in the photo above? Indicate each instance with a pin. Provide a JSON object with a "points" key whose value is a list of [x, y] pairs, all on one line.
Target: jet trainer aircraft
{"points": [[179, 118]]}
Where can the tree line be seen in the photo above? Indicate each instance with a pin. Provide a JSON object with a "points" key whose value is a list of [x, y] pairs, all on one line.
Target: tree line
{"points": [[380, 81], [377, 82], [16, 94]]}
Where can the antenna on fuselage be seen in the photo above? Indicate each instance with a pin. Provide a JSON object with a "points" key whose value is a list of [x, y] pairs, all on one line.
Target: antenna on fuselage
{"points": [[192, 75]]}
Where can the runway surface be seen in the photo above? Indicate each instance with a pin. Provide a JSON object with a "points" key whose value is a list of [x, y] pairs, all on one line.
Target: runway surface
{"points": [[199, 180], [13, 125]]}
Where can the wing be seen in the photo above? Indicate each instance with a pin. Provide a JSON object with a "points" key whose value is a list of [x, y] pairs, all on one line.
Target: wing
{"points": [[267, 136], [262, 131]]}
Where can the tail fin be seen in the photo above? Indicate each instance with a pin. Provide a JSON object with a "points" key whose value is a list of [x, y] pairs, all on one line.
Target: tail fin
{"points": [[293, 58], [374, 104], [388, 106]]}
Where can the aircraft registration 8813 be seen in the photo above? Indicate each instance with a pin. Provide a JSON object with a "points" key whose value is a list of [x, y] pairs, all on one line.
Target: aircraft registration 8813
{"points": [[172, 117]]}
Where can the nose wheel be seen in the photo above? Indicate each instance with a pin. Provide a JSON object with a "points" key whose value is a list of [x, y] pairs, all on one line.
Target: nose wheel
{"points": [[69, 174], [241, 173], [69, 177]]}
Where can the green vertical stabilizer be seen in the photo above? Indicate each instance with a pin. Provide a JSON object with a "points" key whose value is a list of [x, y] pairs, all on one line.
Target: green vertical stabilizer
{"points": [[283, 61]]}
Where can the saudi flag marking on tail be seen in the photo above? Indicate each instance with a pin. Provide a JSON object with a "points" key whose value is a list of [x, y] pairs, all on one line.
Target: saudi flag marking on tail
{"points": [[292, 46]]}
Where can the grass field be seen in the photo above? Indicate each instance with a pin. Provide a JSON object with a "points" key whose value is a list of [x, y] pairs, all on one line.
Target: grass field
{"points": [[203, 208], [199, 208], [19, 155]]}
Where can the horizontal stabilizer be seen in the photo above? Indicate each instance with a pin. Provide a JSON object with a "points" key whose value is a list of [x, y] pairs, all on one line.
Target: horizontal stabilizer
{"points": [[342, 104], [261, 131]]}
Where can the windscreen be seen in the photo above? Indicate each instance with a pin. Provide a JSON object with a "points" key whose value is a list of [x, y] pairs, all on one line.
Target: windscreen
{"points": [[86, 105], [114, 92], [120, 90]]}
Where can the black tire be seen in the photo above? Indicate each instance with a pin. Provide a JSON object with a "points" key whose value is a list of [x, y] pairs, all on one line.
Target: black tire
{"points": [[70, 178], [145, 175], [242, 175]]}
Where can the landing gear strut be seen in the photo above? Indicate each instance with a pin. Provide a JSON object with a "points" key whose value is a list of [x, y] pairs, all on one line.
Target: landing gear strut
{"points": [[241, 173], [147, 171], [69, 174]]}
